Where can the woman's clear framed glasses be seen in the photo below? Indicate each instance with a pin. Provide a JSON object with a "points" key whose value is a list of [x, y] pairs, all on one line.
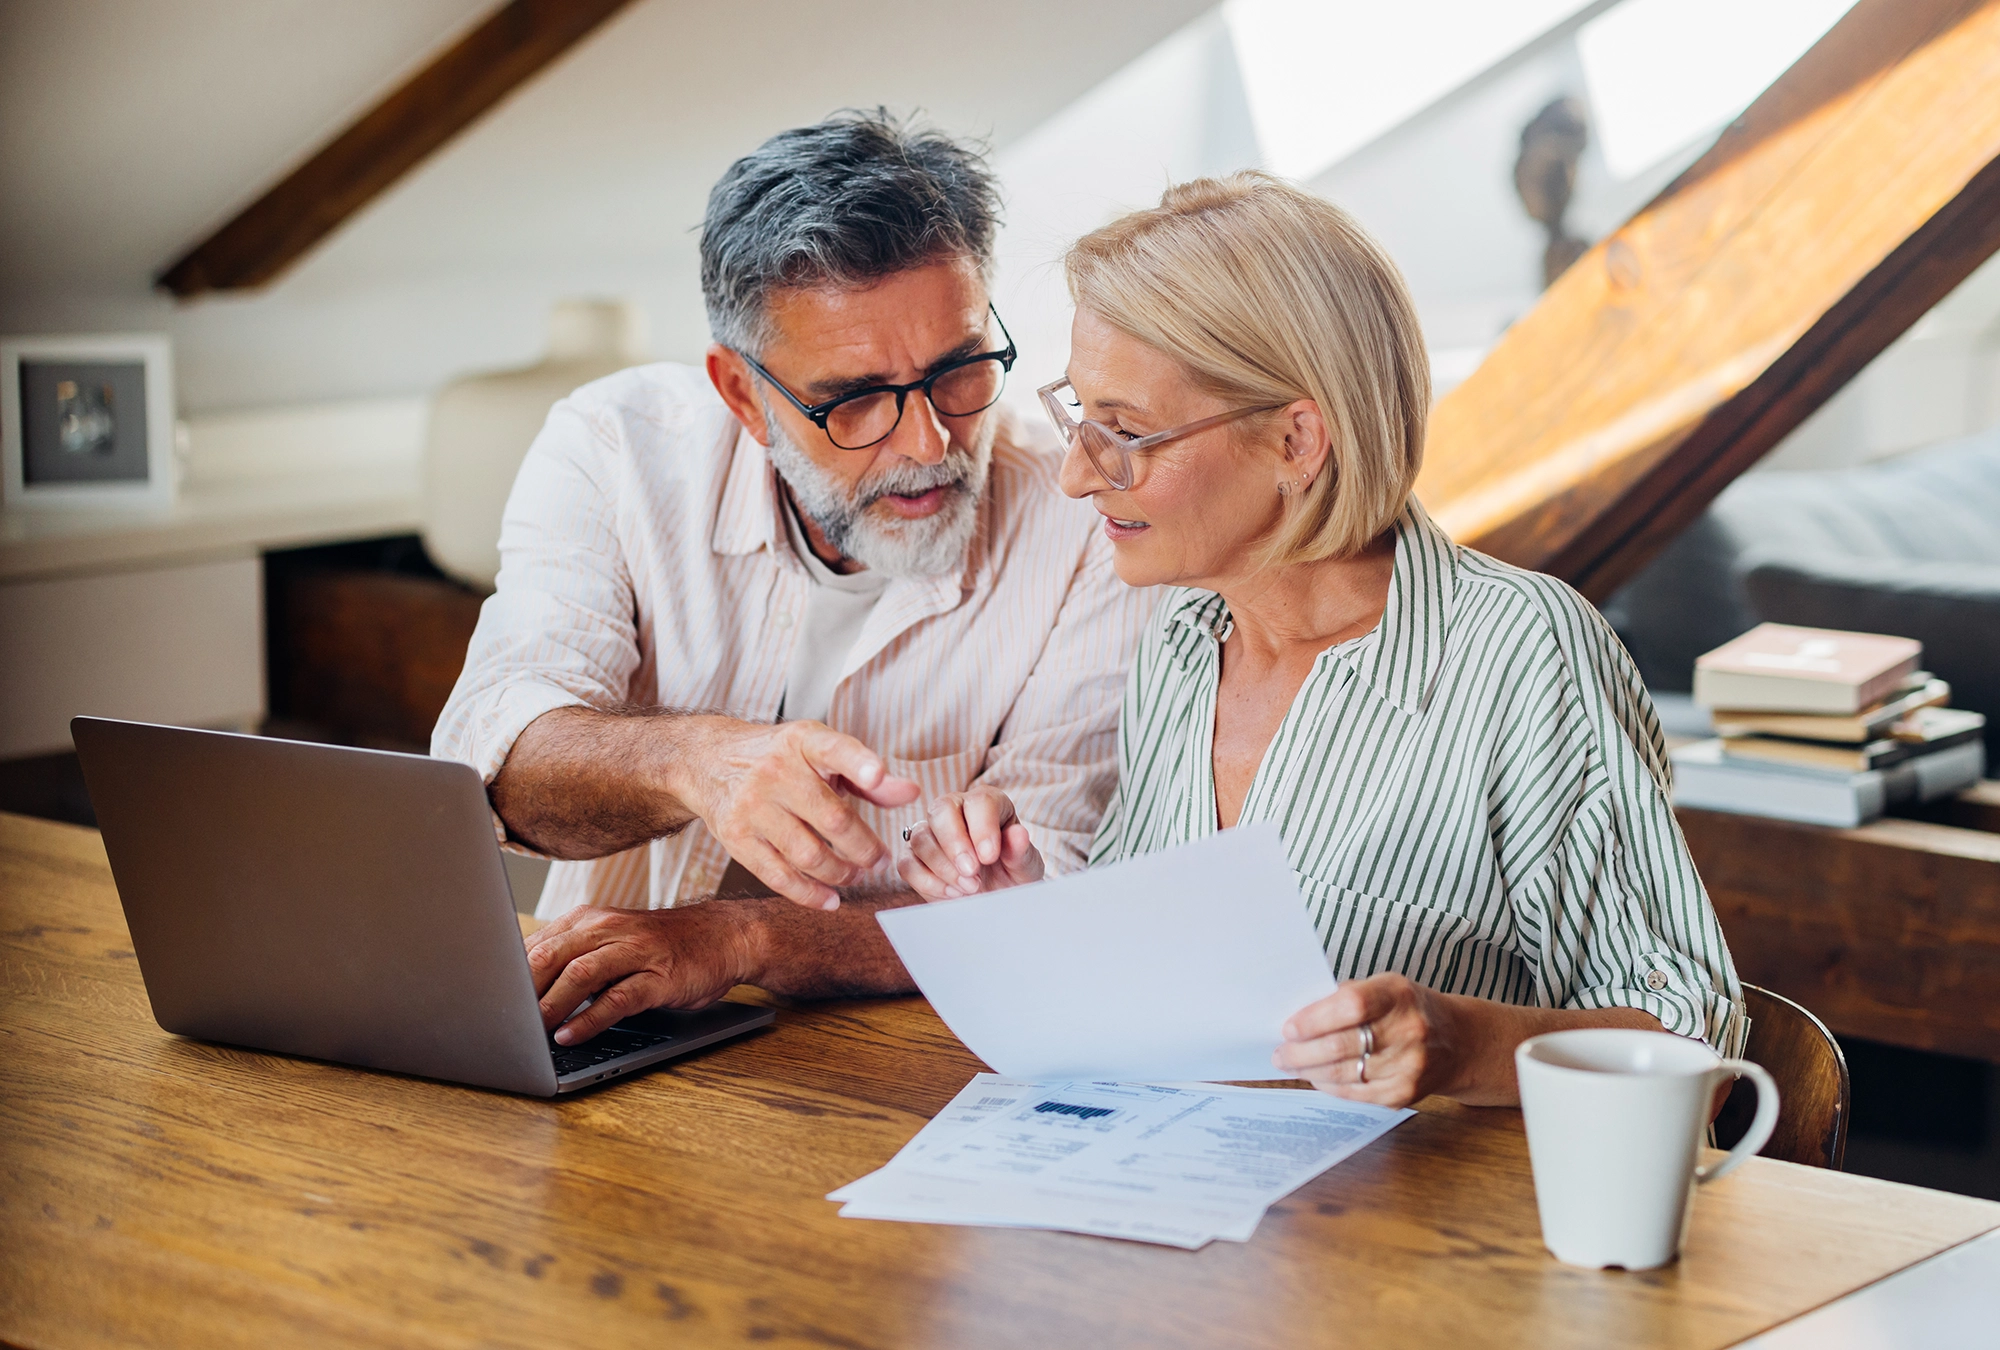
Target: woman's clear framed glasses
{"points": [[1110, 453], [865, 418]]}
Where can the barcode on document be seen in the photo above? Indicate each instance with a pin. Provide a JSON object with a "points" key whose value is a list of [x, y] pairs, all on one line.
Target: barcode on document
{"points": [[1071, 1109], [996, 1101]]}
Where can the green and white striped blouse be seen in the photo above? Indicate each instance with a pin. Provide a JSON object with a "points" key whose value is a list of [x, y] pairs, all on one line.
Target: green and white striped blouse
{"points": [[1473, 794]]}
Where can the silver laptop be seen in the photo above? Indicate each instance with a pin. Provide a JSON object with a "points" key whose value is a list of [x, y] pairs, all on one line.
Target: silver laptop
{"points": [[347, 905]]}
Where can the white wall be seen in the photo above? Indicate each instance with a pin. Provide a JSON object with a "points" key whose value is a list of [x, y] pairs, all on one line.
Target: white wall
{"points": [[1178, 112], [1938, 381], [1438, 191]]}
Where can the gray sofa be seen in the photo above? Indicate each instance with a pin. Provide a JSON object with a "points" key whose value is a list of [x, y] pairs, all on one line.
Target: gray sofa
{"points": [[1909, 546]]}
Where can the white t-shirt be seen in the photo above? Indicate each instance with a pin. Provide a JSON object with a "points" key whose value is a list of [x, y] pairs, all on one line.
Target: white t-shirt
{"points": [[837, 607]]}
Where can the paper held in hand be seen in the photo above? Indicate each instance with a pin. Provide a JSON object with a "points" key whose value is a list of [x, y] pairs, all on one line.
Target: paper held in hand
{"points": [[1181, 965], [1176, 966]]}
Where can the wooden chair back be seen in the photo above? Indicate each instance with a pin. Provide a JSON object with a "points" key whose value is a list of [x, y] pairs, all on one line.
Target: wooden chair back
{"points": [[1801, 1054]]}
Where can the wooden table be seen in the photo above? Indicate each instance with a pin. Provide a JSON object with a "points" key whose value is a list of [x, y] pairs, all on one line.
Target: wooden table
{"points": [[161, 1191]]}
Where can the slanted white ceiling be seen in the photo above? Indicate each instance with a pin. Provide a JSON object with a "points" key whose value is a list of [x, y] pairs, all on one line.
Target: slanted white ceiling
{"points": [[129, 128]]}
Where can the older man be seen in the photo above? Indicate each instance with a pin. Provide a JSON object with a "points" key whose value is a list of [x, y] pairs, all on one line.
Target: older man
{"points": [[747, 625]]}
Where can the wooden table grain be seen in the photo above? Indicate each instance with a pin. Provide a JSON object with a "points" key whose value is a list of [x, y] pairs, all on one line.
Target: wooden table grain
{"points": [[160, 1191]]}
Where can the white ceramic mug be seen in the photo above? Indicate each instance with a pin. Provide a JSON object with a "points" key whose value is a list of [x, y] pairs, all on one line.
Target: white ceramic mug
{"points": [[1615, 1122]]}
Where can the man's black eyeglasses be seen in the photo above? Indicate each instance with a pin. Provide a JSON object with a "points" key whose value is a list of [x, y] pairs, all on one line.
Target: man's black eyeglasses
{"points": [[867, 417]]}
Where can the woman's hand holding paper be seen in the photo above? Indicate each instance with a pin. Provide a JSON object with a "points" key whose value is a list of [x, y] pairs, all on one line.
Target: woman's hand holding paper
{"points": [[1384, 1039], [1389, 1040]]}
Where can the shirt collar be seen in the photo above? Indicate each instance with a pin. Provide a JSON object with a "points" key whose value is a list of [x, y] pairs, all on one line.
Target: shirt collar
{"points": [[1402, 663], [1196, 620]]}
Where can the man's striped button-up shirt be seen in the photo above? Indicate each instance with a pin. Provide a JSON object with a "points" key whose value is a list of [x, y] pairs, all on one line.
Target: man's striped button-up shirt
{"points": [[644, 561]]}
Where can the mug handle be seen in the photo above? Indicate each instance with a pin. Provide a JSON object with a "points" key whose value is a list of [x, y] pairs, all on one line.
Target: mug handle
{"points": [[1761, 1126]]}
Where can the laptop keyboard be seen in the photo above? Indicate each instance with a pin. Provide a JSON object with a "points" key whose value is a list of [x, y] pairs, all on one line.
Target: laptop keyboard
{"points": [[607, 1045]]}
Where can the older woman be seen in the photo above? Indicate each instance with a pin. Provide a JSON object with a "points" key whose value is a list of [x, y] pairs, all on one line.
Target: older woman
{"points": [[1468, 777]]}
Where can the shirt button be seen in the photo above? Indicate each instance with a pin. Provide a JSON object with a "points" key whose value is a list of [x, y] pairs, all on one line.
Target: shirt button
{"points": [[781, 621], [1655, 980]]}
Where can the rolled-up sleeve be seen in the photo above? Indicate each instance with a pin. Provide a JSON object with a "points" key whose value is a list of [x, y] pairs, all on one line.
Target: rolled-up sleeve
{"points": [[560, 629], [1624, 919], [1613, 939]]}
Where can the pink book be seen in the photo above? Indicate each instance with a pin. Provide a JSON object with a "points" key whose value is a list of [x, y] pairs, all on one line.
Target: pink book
{"points": [[1777, 668]]}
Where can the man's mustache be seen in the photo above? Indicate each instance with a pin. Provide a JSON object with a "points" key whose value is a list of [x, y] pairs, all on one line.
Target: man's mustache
{"points": [[913, 480]]}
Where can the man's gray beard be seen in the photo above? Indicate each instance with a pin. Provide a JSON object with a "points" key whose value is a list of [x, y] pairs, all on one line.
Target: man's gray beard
{"points": [[928, 547]]}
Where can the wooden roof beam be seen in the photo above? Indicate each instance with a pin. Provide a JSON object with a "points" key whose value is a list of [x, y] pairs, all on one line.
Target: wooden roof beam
{"points": [[513, 43], [1850, 198]]}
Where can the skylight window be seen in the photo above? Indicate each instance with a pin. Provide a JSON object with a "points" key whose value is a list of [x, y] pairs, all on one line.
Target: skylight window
{"points": [[1663, 72], [1325, 77]]}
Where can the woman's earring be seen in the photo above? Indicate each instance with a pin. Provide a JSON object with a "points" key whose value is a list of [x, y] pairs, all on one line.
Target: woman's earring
{"points": [[1285, 488]]}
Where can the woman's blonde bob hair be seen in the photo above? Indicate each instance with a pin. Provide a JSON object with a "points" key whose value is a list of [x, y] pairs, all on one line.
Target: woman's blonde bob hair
{"points": [[1268, 294]]}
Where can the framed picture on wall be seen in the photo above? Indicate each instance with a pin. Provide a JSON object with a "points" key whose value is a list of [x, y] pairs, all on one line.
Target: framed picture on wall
{"points": [[86, 420]]}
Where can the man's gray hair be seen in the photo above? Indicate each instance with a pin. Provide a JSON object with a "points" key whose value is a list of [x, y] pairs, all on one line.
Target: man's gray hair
{"points": [[859, 197]]}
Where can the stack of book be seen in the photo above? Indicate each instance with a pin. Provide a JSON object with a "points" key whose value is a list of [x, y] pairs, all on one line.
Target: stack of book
{"points": [[1825, 727]]}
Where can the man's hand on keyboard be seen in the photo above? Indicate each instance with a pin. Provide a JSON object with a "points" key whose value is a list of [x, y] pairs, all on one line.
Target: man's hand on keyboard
{"points": [[631, 960]]}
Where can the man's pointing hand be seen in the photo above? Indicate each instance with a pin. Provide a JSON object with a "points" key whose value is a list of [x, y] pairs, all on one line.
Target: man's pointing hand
{"points": [[777, 798]]}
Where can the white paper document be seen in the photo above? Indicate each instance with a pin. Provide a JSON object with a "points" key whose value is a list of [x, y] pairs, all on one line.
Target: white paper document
{"points": [[1174, 1165], [1177, 966]]}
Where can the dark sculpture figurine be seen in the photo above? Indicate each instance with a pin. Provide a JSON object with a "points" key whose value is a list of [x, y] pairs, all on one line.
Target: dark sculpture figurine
{"points": [[1545, 176]]}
